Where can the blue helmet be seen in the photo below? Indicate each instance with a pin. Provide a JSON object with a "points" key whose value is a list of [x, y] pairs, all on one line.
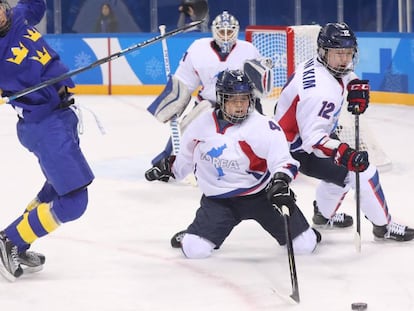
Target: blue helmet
{"points": [[233, 83], [337, 36], [6, 10]]}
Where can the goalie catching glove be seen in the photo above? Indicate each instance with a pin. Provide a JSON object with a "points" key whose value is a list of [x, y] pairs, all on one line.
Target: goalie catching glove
{"points": [[350, 158], [279, 193], [161, 170], [358, 96]]}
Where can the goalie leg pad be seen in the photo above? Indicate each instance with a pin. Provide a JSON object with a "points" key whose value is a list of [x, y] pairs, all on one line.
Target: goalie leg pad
{"points": [[260, 73], [171, 102]]}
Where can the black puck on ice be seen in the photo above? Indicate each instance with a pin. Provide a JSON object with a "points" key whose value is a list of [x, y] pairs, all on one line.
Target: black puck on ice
{"points": [[359, 306]]}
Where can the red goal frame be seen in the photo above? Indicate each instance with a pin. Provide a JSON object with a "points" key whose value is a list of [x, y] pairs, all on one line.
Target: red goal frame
{"points": [[290, 41]]}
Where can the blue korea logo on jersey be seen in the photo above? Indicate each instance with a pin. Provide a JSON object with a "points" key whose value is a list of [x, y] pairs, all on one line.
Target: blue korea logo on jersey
{"points": [[213, 156]]}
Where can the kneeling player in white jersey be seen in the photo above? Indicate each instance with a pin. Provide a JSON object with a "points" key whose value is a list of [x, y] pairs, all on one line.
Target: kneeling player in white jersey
{"points": [[200, 65], [243, 166], [308, 110]]}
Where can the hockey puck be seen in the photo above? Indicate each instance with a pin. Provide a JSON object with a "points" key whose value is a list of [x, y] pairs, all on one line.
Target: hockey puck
{"points": [[359, 306]]}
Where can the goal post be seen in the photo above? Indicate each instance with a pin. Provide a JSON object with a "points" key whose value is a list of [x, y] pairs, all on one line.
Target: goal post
{"points": [[288, 46]]}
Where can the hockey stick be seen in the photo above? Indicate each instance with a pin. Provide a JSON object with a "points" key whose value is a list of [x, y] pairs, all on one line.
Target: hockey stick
{"points": [[175, 130], [5, 100], [357, 190], [291, 256]]}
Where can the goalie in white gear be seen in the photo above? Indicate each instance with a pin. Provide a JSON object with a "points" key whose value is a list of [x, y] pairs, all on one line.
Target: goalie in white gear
{"points": [[308, 110], [199, 67], [243, 167]]}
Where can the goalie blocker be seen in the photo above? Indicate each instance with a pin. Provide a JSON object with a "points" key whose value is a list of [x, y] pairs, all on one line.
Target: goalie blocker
{"points": [[260, 73]]}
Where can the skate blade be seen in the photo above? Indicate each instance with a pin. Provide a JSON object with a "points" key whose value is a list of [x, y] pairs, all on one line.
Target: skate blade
{"points": [[331, 228], [30, 270], [389, 240], [6, 274]]}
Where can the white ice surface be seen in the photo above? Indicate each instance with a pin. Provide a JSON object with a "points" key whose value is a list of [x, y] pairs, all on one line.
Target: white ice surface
{"points": [[118, 257]]}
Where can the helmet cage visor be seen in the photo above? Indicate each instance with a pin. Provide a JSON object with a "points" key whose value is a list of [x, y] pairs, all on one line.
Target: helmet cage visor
{"points": [[337, 40], [337, 70], [239, 115], [225, 29]]}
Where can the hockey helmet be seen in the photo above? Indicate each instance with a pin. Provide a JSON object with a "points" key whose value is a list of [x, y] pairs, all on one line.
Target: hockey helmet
{"points": [[337, 36], [230, 84], [225, 29]]}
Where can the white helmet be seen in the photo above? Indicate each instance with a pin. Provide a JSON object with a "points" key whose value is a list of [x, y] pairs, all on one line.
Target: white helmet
{"points": [[225, 29]]}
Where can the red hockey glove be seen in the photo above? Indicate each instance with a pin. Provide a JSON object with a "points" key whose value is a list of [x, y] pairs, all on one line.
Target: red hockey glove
{"points": [[358, 96], [350, 158]]}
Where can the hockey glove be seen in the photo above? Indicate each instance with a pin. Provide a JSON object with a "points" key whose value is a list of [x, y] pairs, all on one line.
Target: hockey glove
{"points": [[350, 158], [161, 170], [279, 193], [358, 96]]}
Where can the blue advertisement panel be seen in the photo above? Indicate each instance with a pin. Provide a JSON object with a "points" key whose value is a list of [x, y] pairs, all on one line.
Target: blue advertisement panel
{"points": [[387, 60], [76, 53]]}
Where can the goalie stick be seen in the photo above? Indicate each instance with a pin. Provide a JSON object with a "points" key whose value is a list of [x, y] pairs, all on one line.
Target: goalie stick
{"points": [[175, 130], [174, 126], [5, 100]]}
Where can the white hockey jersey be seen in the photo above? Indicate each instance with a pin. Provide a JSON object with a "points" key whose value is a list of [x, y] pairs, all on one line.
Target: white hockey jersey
{"points": [[239, 160], [310, 104], [201, 64]]}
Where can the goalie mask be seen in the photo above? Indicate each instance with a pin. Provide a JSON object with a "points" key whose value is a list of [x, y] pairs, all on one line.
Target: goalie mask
{"points": [[337, 48], [225, 29], [5, 17], [234, 93]]}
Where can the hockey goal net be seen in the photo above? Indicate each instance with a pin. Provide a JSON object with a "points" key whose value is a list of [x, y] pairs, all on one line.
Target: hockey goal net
{"points": [[288, 46]]}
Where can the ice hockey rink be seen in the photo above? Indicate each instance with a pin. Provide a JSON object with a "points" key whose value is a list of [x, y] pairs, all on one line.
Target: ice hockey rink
{"points": [[117, 257]]}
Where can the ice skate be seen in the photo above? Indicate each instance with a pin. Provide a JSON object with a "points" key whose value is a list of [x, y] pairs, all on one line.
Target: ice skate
{"points": [[393, 231], [339, 220], [31, 261], [176, 239], [9, 264]]}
